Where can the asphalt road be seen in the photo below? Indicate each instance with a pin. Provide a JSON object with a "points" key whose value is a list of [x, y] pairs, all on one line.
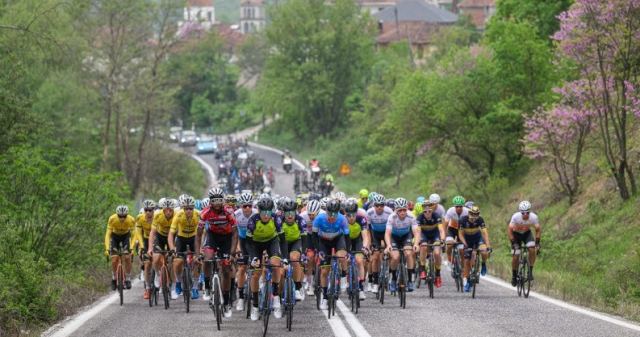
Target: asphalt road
{"points": [[496, 311]]}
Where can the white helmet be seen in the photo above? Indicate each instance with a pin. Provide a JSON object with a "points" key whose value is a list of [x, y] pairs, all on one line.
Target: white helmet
{"points": [[434, 198], [525, 206], [323, 202], [402, 203], [313, 206], [165, 203], [378, 199], [122, 210], [174, 203], [187, 201], [245, 199], [205, 203], [267, 190], [161, 202], [264, 195], [148, 204], [182, 196], [340, 196]]}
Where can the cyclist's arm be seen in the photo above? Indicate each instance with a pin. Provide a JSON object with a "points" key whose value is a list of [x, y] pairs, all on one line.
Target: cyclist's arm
{"points": [[387, 236], [175, 225], [198, 238], [510, 232], [485, 236], [462, 239], [107, 239], [152, 238], [442, 231], [366, 239], [139, 234], [538, 229]]}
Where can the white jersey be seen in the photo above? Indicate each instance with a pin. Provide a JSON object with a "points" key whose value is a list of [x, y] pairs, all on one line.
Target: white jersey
{"points": [[440, 209], [453, 215], [378, 222], [242, 221], [522, 226], [401, 227], [305, 216]]}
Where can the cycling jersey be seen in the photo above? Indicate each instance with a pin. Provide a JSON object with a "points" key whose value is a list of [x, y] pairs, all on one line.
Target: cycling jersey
{"points": [[185, 227], [401, 227], [293, 232], [356, 228], [378, 222], [453, 218], [431, 223], [161, 223], [327, 230], [522, 226], [118, 227], [217, 222], [259, 231], [469, 228], [142, 226], [242, 221], [307, 219]]}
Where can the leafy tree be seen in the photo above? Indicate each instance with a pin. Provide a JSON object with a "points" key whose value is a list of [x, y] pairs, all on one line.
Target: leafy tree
{"points": [[540, 14]]}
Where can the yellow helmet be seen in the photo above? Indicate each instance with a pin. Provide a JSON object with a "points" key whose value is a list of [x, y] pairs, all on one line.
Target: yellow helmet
{"points": [[364, 193]]}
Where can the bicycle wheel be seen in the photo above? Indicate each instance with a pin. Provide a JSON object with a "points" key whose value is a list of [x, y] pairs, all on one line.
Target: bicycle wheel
{"points": [[526, 286], [217, 301], [164, 276], [186, 291], [430, 277], [290, 302], [402, 286], [153, 289], [120, 282], [317, 288], [247, 296], [266, 308]]}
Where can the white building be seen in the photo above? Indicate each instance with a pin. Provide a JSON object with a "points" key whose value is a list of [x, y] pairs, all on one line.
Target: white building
{"points": [[200, 11], [252, 16]]}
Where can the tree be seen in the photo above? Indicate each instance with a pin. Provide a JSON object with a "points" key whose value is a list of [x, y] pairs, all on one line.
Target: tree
{"points": [[540, 14], [319, 54], [601, 38]]}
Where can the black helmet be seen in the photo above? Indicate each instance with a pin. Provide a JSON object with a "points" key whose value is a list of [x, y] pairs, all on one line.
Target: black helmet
{"points": [[287, 204], [265, 204], [391, 203], [351, 206], [315, 196], [333, 205]]}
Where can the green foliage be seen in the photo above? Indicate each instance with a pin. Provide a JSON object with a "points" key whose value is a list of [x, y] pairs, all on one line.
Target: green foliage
{"points": [[541, 14]]}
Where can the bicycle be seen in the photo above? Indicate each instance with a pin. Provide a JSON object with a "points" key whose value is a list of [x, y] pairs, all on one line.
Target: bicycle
{"points": [[523, 278], [456, 269], [383, 279], [430, 269], [215, 303], [120, 276], [288, 293], [187, 280], [333, 286], [317, 287], [403, 276], [474, 273], [265, 303], [165, 280], [354, 284]]}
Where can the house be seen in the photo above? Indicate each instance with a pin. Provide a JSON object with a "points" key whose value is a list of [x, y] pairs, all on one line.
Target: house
{"points": [[479, 10], [252, 16], [375, 6], [412, 20], [201, 12]]}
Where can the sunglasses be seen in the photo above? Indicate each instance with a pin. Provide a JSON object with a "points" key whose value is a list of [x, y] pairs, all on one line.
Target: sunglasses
{"points": [[524, 213], [333, 214], [427, 210], [378, 205], [188, 208], [401, 210], [458, 206], [290, 213], [246, 206], [122, 216], [265, 213], [217, 201], [351, 215], [148, 209]]}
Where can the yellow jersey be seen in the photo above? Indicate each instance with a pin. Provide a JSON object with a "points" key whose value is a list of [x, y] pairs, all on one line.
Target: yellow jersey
{"points": [[143, 227], [161, 223], [185, 227], [118, 227]]}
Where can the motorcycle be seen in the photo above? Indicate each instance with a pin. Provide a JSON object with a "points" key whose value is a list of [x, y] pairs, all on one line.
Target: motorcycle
{"points": [[286, 164]]}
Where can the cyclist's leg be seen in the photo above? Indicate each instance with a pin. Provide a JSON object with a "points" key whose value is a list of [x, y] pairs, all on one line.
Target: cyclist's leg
{"points": [[273, 250], [178, 262], [356, 249], [396, 245], [452, 234], [341, 251], [515, 259], [409, 257], [223, 243], [324, 246], [424, 249], [294, 255], [257, 272], [531, 246], [146, 261], [376, 257]]}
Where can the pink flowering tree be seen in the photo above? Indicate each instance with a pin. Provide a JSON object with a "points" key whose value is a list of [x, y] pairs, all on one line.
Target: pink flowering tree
{"points": [[602, 38], [559, 136]]}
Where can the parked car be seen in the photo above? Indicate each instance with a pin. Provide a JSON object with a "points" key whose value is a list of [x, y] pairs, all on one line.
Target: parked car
{"points": [[206, 145], [174, 133], [188, 138]]}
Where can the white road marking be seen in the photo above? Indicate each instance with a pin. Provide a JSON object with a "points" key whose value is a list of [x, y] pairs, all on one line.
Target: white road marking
{"points": [[269, 148], [212, 176], [353, 322], [568, 306], [69, 326], [339, 329]]}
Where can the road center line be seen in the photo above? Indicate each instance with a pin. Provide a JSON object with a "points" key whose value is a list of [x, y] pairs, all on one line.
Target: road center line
{"points": [[339, 329], [351, 319]]}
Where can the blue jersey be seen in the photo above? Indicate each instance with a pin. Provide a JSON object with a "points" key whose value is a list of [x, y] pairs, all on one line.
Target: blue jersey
{"points": [[329, 231]]}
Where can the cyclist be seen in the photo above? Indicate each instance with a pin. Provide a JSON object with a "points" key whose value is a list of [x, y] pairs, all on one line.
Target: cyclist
{"points": [[243, 214], [474, 235], [119, 228], [230, 203], [364, 197], [520, 231], [143, 227], [181, 235], [377, 217], [158, 237], [264, 233], [391, 203], [220, 227], [295, 231], [359, 237], [418, 209], [435, 199], [451, 219], [432, 232], [330, 232], [309, 215], [400, 229], [369, 202]]}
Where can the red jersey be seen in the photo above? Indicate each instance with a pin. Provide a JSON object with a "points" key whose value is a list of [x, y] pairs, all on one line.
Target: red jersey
{"points": [[218, 222]]}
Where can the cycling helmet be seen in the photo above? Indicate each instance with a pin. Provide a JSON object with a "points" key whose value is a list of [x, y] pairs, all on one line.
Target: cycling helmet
{"points": [[122, 210], [391, 203], [287, 204], [230, 199], [458, 200], [198, 204], [364, 193], [264, 195], [314, 196], [187, 201], [174, 203], [267, 190], [372, 195], [205, 203], [245, 199], [525, 206], [434, 198], [420, 200], [161, 202], [333, 205], [351, 205], [474, 211], [468, 204], [181, 197], [323, 202], [148, 204], [401, 203], [378, 199], [340, 196], [265, 204], [313, 206], [216, 193], [165, 203]]}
